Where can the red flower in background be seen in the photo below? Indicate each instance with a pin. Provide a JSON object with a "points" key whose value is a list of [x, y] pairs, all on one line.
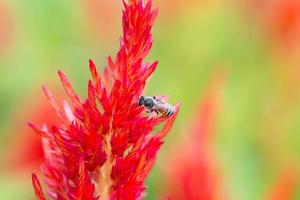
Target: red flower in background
{"points": [[25, 151], [280, 21], [285, 187], [102, 147], [285, 21], [192, 173]]}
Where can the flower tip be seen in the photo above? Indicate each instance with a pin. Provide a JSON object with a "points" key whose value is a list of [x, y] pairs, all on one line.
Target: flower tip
{"points": [[61, 74], [34, 177], [92, 65], [37, 129], [177, 107], [63, 77], [44, 87], [93, 70], [46, 91], [34, 128], [91, 62], [31, 125], [155, 12]]}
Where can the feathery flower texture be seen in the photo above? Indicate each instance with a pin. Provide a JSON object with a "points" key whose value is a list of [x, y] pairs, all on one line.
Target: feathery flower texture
{"points": [[104, 147]]}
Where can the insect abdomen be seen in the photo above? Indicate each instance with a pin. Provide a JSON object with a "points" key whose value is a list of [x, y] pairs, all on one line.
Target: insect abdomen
{"points": [[167, 110], [170, 110]]}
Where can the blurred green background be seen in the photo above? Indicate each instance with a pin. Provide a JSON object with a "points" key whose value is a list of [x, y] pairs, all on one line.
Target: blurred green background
{"points": [[253, 45]]}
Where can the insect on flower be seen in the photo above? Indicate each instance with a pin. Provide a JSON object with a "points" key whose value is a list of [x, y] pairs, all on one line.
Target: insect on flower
{"points": [[103, 146], [156, 104]]}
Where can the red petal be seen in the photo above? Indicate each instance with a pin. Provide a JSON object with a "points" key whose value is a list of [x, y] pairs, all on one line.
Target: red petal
{"points": [[93, 70], [112, 65], [38, 130], [107, 78], [54, 104], [96, 77], [69, 90], [37, 188], [150, 70], [85, 188]]}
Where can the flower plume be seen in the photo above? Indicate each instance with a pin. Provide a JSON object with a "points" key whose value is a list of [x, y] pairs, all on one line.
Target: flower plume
{"points": [[285, 185], [102, 148], [197, 176]]}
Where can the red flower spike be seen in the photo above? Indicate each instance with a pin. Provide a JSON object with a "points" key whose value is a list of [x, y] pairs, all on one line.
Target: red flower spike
{"points": [[196, 177], [285, 186], [168, 198], [37, 188], [103, 147]]}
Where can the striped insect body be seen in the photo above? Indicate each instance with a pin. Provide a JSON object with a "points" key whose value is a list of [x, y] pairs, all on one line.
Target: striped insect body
{"points": [[157, 105]]}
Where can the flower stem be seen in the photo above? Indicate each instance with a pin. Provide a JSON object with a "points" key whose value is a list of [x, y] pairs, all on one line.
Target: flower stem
{"points": [[105, 181]]}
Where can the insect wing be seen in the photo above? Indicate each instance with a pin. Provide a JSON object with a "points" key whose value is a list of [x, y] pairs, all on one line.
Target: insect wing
{"points": [[162, 99]]}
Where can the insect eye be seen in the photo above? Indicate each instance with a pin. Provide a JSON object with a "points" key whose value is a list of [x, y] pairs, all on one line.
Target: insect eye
{"points": [[149, 103], [141, 100]]}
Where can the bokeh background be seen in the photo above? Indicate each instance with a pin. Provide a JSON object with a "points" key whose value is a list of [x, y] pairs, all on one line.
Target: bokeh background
{"points": [[233, 64]]}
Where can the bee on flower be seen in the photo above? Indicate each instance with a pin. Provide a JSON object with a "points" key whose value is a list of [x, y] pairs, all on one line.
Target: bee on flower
{"points": [[103, 146], [157, 105]]}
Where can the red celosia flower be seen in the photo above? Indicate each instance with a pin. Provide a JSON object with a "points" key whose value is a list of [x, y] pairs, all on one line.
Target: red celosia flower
{"points": [[285, 21], [25, 151], [196, 177], [103, 147], [285, 187], [280, 21]]}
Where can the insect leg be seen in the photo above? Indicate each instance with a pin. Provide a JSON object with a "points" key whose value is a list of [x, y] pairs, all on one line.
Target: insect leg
{"points": [[154, 110]]}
